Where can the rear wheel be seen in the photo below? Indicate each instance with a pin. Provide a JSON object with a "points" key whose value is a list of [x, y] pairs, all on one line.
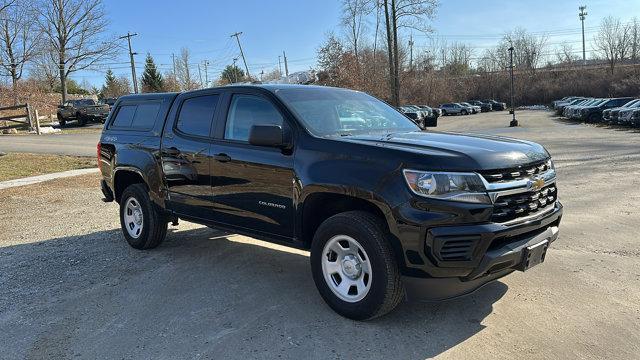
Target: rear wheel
{"points": [[353, 266], [464, 112], [143, 225], [594, 117]]}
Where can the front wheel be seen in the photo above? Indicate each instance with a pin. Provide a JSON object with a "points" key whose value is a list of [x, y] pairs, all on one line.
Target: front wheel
{"points": [[61, 120], [143, 225], [354, 267], [82, 121]]}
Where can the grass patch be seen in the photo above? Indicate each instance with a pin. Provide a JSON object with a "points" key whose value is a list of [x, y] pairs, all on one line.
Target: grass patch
{"points": [[19, 165]]}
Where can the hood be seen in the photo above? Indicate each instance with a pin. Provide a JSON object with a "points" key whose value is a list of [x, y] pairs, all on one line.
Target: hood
{"points": [[453, 151]]}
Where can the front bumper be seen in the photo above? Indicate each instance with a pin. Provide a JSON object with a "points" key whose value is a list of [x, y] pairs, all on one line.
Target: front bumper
{"points": [[497, 251]]}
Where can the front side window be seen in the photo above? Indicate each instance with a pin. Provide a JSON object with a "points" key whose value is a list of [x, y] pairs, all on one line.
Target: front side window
{"points": [[246, 111], [342, 112], [196, 115]]}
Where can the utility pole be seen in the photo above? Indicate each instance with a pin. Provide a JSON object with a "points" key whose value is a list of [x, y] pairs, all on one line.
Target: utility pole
{"points": [[286, 65], [206, 73], [513, 122], [235, 73], [200, 74], [582, 14], [246, 68], [411, 53], [279, 66], [133, 65]]}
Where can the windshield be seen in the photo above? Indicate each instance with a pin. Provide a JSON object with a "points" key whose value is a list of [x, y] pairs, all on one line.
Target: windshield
{"points": [[341, 112], [85, 102]]}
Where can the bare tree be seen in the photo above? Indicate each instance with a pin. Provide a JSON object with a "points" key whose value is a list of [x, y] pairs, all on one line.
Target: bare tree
{"points": [[18, 41], [330, 56], [183, 71], [456, 58], [45, 69], [353, 19], [612, 41], [404, 14], [565, 53], [76, 30], [634, 53]]}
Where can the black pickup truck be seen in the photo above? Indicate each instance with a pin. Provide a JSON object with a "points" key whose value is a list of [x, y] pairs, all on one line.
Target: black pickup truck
{"points": [[387, 210], [82, 111]]}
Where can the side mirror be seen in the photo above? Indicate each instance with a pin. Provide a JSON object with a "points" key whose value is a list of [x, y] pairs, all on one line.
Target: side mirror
{"points": [[60, 106], [267, 135]]}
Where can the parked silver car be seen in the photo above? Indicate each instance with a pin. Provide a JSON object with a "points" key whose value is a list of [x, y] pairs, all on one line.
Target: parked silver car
{"points": [[474, 108], [454, 109]]}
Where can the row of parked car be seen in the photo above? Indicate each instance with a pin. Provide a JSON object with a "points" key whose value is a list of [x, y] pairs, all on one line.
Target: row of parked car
{"points": [[426, 116], [620, 111]]}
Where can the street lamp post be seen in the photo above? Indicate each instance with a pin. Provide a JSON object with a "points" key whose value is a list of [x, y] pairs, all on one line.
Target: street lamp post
{"points": [[513, 122]]}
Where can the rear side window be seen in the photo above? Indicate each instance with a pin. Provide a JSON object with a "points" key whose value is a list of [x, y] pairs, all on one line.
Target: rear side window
{"points": [[146, 115], [196, 115], [124, 117], [137, 117]]}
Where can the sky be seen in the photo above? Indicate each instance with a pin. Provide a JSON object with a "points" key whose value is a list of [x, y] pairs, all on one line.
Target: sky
{"points": [[299, 27]]}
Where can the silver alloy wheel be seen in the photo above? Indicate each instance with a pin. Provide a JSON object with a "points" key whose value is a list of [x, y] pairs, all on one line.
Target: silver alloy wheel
{"points": [[133, 217], [346, 268]]}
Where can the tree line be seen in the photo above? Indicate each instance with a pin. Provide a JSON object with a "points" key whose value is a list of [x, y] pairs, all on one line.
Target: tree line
{"points": [[374, 51]]}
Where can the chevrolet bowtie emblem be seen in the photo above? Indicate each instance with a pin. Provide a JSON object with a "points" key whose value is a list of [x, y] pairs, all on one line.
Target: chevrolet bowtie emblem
{"points": [[536, 184]]}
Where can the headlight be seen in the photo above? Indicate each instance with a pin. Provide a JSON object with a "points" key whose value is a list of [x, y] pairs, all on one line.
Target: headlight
{"points": [[550, 164], [464, 187]]}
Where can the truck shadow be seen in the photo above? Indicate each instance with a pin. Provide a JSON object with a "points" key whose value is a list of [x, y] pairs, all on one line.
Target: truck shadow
{"points": [[202, 293]]}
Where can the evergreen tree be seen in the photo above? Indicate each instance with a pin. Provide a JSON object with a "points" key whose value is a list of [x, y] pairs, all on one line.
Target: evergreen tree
{"points": [[231, 74], [114, 87], [109, 80], [152, 80]]}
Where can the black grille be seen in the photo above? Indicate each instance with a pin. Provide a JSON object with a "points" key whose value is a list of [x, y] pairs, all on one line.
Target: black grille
{"points": [[459, 248], [512, 207], [518, 173]]}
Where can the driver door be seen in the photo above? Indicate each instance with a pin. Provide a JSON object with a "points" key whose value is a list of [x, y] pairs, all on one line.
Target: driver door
{"points": [[252, 185]]}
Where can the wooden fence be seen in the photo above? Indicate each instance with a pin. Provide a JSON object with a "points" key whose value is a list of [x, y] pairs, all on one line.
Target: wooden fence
{"points": [[29, 118]]}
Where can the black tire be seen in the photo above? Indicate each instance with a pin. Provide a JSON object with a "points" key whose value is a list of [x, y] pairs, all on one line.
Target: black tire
{"points": [[386, 289], [61, 120], [82, 121], [444, 113], [594, 118], [155, 224], [464, 112]]}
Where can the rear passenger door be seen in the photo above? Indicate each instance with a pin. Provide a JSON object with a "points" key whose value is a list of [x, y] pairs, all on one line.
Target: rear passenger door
{"points": [[186, 154], [252, 185]]}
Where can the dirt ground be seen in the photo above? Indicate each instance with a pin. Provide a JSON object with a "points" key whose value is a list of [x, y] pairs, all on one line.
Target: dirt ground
{"points": [[70, 287]]}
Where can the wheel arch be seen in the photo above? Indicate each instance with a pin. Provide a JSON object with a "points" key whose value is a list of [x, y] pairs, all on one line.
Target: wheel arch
{"points": [[319, 206], [125, 176]]}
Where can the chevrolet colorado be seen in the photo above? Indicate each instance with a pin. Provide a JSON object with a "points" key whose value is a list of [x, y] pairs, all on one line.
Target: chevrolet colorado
{"points": [[387, 210]]}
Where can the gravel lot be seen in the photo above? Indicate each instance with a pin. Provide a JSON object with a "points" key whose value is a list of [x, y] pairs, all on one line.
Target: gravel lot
{"points": [[70, 286]]}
